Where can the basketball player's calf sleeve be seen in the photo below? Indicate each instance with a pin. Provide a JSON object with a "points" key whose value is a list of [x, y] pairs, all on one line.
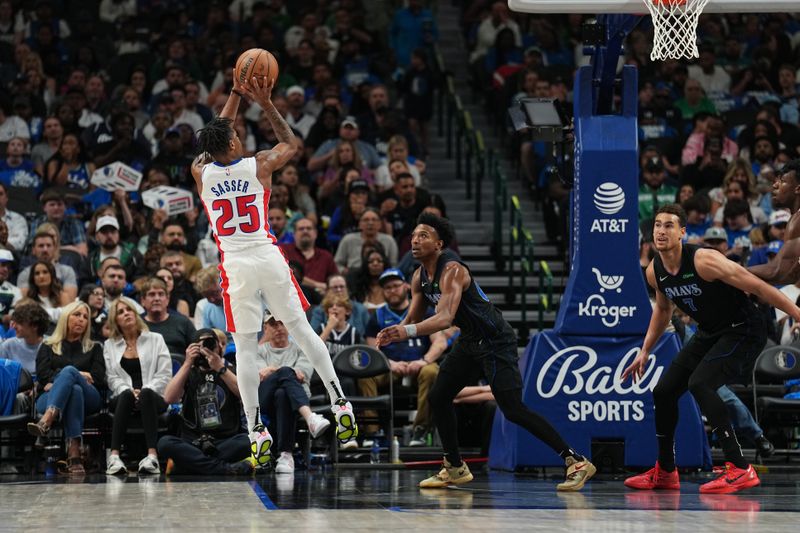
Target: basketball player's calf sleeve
{"points": [[247, 374], [318, 354]]}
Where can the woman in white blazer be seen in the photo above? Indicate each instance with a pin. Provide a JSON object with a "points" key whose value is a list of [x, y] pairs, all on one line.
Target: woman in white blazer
{"points": [[138, 368]]}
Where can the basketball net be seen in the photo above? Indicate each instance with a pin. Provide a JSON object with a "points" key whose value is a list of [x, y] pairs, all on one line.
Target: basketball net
{"points": [[675, 25]]}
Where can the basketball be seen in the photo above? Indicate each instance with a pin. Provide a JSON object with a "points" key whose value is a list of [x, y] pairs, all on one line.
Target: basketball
{"points": [[256, 62]]}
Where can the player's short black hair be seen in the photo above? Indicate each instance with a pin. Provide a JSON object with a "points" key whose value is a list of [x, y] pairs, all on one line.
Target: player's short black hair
{"points": [[215, 136], [792, 166], [442, 226], [674, 209]]}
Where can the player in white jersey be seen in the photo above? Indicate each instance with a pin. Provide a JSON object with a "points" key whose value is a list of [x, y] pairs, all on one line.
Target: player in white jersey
{"points": [[235, 192]]}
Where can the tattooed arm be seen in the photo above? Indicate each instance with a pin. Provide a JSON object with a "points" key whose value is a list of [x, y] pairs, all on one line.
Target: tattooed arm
{"points": [[271, 160]]}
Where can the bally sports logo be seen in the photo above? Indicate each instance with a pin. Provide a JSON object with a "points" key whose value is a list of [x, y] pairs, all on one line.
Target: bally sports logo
{"points": [[579, 374], [609, 199]]}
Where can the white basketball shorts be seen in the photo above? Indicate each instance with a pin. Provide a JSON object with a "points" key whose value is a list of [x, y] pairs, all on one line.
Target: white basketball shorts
{"points": [[259, 275]]}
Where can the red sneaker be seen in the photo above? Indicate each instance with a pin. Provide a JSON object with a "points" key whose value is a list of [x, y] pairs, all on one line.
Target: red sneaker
{"points": [[733, 480], [655, 478]]}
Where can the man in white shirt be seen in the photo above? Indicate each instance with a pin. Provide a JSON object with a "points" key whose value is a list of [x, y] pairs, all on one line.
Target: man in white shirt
{"points": [[296, 117], [9, 293], [712, 78], [11, 125], [17, 226], [488, 29]]}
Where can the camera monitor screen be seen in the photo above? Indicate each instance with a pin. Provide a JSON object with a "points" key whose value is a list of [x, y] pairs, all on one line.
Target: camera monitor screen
{"points": [[542, 112]]}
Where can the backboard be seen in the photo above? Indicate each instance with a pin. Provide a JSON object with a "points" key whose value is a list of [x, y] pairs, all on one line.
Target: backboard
{"points": [[639, 7]]}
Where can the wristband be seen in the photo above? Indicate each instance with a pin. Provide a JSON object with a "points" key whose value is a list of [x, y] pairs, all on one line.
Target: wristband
{"points": [[411, 330], [237, 93], [222, 371]]}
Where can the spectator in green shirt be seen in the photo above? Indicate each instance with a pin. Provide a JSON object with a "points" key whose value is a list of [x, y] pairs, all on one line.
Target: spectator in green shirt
{"points": [[654, 191], [694, 100]]}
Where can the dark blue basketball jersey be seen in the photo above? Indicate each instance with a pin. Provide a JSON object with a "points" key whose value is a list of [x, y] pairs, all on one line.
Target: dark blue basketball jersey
{"points": [[478, 319], [714, 305]]}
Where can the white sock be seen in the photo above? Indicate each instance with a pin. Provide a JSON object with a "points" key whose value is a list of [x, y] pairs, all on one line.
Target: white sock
{"points": [[318, 354], [247, 375]]}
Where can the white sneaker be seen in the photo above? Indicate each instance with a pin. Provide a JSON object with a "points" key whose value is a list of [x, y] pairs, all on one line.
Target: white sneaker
{"points": [[346, 427], [115, 465], [285, 464], [149, 465], [317, 425], [348, 444]]}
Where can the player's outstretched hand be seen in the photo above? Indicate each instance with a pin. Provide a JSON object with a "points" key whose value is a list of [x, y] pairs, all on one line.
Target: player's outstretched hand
{"points": [[636, 368], [390, 335], [262, 95]]}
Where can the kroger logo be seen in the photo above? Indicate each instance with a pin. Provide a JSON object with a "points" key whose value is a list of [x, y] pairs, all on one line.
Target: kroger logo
{"points": [[596, 306], [609, 198]]}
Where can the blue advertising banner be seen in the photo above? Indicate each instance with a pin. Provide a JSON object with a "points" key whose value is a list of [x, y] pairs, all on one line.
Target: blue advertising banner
{"points": [[575, 383], [605, 293]]}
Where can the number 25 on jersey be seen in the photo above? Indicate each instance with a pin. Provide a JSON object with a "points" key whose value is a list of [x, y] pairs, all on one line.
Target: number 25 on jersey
{"points": [[245, 210]]}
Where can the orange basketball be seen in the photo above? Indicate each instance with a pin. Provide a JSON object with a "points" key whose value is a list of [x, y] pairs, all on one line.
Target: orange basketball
{"points": [[257, 63]]}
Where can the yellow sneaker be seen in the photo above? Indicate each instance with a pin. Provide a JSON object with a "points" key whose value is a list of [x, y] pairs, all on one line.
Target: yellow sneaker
{"points": [[448, 475], [578, 473]]}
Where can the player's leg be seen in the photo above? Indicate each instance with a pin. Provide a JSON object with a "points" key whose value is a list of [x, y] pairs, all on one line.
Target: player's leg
{"points": [[730, 358], [670, 387], [666, 394], [500, 366], [286, 302], [243, 317], [456, 372]]}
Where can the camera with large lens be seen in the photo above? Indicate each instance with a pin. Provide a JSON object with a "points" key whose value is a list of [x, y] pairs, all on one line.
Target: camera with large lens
{"points": [[210, 344]]}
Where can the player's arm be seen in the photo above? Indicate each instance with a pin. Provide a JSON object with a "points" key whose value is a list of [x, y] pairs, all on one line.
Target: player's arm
{"points": [[271, 160], [784, 268], [713, 266], [455, 279], [662, 313]]}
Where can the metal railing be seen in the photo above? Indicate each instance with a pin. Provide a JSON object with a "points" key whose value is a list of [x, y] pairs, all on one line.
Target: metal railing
{"points": [[474, 164]]}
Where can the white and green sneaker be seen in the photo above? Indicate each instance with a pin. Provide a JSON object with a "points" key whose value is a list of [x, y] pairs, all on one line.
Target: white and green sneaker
{"points": [[260, 444], [346, 427]]}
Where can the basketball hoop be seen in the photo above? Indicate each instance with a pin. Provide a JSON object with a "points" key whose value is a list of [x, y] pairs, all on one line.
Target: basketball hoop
{"points": [[675, 25]]}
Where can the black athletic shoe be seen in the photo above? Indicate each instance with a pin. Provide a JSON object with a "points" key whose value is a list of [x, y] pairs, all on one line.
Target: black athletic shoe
{"points": [[241, 468], [764, 447]]}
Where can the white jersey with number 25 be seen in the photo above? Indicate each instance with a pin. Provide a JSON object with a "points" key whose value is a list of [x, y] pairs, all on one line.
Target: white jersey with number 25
{"points": [[237, 205]]}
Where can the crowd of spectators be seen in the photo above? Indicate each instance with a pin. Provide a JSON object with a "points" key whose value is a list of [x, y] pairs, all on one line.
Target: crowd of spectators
{"points": [[84, 85], [729, 116]]}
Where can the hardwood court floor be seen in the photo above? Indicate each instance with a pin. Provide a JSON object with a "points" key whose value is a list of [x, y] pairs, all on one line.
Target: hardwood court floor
{"points": [[384, 500]]}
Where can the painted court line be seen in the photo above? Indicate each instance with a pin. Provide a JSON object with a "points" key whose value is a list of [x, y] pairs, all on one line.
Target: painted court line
{"points": [[268, 504]]}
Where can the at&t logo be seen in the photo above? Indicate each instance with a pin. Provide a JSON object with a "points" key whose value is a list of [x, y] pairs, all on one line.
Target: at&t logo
{"points": [[609, 199]]}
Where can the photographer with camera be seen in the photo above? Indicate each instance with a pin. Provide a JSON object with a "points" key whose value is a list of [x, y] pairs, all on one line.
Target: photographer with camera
{"points": [[211, 440]]}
